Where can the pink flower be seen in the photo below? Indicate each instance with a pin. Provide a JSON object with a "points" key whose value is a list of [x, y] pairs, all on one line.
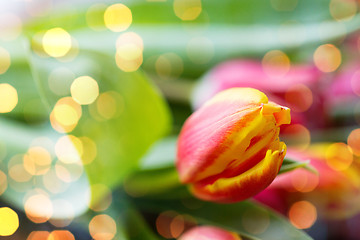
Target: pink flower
{"points": [[344, 91], [297, 88], [209, 233]]}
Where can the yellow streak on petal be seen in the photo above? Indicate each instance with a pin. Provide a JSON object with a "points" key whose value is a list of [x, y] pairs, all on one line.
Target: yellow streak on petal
{"points": [[270, 116], [254, 174], [282, 114], [240, 141], [246, 95]]}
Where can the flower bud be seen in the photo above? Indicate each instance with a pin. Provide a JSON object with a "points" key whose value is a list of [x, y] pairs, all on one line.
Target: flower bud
{"points": [[229, 149], [209, 233]]}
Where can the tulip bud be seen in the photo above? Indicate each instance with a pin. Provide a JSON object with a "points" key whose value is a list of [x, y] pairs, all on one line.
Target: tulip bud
{"points": [[209, 233], [229, 149]]}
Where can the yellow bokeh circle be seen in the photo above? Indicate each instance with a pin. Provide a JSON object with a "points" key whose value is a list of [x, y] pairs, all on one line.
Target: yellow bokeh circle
{"points": [[117, 17], [8, 98], [9, 221], [84, 90], [56, 42]]}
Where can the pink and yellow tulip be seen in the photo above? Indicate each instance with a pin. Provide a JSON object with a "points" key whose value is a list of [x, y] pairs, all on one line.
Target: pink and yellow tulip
{"points": [[229, 149], [209, 233]]}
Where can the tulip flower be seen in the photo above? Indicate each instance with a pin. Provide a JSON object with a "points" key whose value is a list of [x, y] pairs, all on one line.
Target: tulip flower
{"points": [[335, 190], [209, 233], [229, 149], [297, 88]]}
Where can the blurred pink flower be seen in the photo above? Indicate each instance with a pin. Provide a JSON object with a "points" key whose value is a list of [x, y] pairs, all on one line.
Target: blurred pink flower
{"points": [[335, 191], [344, 90], [209, 233], [296, 88]]}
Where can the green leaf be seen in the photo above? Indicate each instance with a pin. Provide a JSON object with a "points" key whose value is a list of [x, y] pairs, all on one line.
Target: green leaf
{"points": [[131, 219], [30, 107], [161, 155], [224, 30], [130, 224], [119, 141], [246, 218], [69, 185], [140, 119], [292, 164]]}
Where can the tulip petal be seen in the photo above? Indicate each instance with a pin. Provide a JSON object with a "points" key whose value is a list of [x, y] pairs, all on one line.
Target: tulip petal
{"points": [[216, 125], [245, 185]]}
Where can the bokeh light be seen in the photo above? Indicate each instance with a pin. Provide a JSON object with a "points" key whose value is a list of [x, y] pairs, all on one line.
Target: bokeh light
{"points": [[68, 149], [104, 203], [69, 172], [65, 115], [177, 226], [355, 82], [38, 235], [276, 63], [299, 98], [187, 10], [37, 161], [84, 90], [89, 152], [339, 156], [353, 141], [169, 65], [3, 182], [297, 135], [56, 42], [342, 10], [303, 181], [129, 57], [327, 58], [5, 60], [18, 173], [302, 214], [61, 235], [170, 224], [117, 17], [38, 208], [255, 222], [129, 51], [8, 98], [110, 105], [53, 183], [102, 227], [9, 221]]}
